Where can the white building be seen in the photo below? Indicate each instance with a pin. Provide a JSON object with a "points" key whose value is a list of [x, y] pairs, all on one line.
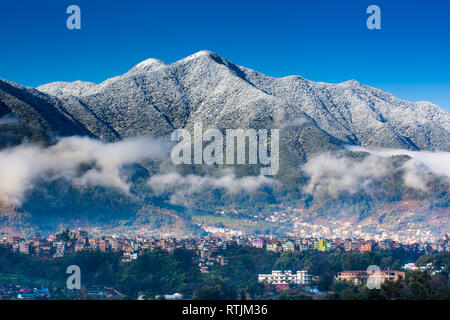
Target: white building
{"points": [[60, 248], [175, 296], [284, 278], [24, 247], [410, 266]]}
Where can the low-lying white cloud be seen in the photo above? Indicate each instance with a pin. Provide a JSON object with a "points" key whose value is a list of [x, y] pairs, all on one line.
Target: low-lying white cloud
{"points": [[21, 166], [414, 175], [436, 162], [181, 186], [335, 174], [331, 174]]}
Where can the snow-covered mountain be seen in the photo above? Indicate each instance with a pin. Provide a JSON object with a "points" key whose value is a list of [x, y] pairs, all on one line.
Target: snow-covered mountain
{"points": [[154, 98], [37, 116]]}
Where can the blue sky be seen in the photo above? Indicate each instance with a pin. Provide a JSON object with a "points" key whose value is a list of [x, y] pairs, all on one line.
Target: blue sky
{"points": [[320, 40]]}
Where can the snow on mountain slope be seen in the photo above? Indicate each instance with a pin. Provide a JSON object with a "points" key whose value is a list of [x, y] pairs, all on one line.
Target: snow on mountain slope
{"points": [[60, 88], [41, 113], [155, 98]]}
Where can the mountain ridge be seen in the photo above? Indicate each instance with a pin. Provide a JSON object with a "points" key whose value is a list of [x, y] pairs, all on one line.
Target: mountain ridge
{"points": [[204, 80], [154, 98]]}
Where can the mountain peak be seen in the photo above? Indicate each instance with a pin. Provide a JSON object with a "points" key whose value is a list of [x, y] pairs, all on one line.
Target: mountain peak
{"points": [[148, 64], [351, 83], [201, 54]]}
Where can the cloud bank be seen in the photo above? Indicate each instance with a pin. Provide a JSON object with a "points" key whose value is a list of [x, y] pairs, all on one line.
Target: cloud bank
{"points": [[333, 174], [436, 162], [21, 166], [182, 187]]}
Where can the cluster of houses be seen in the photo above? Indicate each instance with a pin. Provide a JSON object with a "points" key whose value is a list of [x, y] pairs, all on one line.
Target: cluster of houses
{"points": [[58, 245], [429, 267], [23, 293], [209, 250], [347, 245]]}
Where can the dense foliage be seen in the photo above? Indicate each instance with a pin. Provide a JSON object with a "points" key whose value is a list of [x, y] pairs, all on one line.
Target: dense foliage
{"points": [[159, 272]]}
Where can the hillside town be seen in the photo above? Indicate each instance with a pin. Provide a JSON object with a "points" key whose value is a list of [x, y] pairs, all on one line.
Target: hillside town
{"points": [[207, 249], [207, 253]]}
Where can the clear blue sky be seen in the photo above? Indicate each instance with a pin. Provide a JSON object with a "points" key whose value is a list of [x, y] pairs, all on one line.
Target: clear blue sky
{"points": [[320, 40]]}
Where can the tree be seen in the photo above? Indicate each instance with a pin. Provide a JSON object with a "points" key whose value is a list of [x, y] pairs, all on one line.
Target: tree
{"points": [[325, 282], [419, 284], [392, 290]]}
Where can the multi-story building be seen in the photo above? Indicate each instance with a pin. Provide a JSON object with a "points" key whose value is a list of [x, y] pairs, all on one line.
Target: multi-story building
{"points": [[102, 245], [258, 243], [361, 276], [24, 247], [318, 245], [273, 246], [60, 249], [348, 245], [282, 279], [288, 246], [114, 243], [410, 266], [366, 247], [79, 246]]}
